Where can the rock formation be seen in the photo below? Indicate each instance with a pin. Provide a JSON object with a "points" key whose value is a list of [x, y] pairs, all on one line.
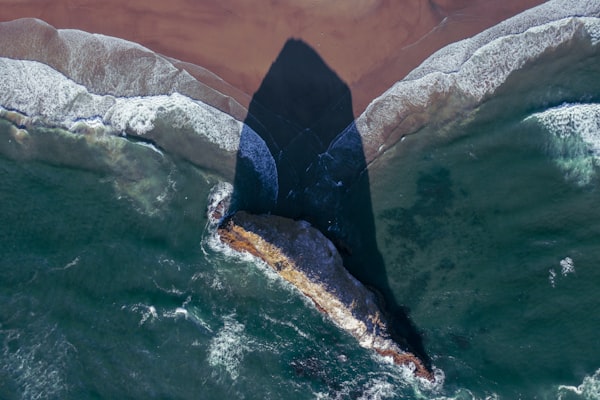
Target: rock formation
{"points": [[303, 256]]}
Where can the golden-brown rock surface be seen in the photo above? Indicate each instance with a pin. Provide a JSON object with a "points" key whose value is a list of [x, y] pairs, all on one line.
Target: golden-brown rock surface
{"points": [[303, 256]]}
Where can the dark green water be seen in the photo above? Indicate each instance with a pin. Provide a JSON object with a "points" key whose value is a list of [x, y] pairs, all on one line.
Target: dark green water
{"points": [[102, 301], [489, 230], [471, 235], [479, 229]]}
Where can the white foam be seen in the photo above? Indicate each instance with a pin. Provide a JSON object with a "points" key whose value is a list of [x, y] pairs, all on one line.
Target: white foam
{"points": [[575, 138], [193, 314], [171, 290], [227, 348], [589, 389], [254, 149], [452, 57], [472, 69], [39, 91], [50, 98], [169, 262], [388, 384], [212, 241], [220, 193], [139, 114], [567, 266], [552, 277], [378, 389], [462, 394], [114, 77], [287, 323], [218, 202], [592, 29], [71, 264], [180, 311], [574, 120], [148, 312], [423, 387]]}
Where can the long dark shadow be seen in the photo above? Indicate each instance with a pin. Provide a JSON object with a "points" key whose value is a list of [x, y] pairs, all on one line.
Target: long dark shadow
{"points": [[304, 159]]}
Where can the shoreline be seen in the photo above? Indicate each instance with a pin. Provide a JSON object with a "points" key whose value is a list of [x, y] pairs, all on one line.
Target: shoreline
{"points": [[441, 89], [453, 93], [238, 42], [444, 87]]}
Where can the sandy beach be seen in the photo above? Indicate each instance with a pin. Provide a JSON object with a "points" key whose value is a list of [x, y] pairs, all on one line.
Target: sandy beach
{"points": [[369, 44]]}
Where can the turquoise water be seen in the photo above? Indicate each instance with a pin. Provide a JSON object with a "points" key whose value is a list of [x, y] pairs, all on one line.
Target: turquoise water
{"points": [[488, 228]]}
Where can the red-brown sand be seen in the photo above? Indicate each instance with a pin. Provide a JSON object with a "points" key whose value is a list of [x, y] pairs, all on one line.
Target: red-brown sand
{"points": [[370, 44]]}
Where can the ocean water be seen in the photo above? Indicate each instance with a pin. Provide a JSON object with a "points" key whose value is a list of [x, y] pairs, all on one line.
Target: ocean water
{"points": [[103, 300], [490, 234], [112, 286]]}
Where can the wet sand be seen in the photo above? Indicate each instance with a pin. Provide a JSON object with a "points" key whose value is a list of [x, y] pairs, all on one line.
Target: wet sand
{"points": [[370, 44]]}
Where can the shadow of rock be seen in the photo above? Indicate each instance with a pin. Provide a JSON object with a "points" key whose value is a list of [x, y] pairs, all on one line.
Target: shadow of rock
{"points": [[301, 157]]}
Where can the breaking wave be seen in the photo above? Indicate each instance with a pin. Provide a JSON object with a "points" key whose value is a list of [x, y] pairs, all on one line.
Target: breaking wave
{"points": [[452, 82], [457, 78], [574, 139], [253, 152], [47, 97], [588, 390]]}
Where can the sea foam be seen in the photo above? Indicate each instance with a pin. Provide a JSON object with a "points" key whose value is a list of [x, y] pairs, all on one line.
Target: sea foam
{"points": [[108, 65], [254, 150], [38, 364], [574, 138], [48, 97], [110, 74], [456, 79], [450, 83], [588, 390], [227, 348], [574, 120]]}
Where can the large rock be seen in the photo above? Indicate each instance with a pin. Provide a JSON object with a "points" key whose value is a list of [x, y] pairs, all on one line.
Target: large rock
{"points": [[303, 256]]}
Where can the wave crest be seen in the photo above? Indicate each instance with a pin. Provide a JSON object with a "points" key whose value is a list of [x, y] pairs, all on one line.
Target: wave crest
{"points": [[574, 133], [456, 79]]}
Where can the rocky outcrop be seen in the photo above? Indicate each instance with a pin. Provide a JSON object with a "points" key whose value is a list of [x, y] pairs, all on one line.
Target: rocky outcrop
{"points": [[303, 256]]}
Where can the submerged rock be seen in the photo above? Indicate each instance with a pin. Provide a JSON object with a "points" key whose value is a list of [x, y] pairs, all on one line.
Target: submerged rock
{"points": [[303, 256]]}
